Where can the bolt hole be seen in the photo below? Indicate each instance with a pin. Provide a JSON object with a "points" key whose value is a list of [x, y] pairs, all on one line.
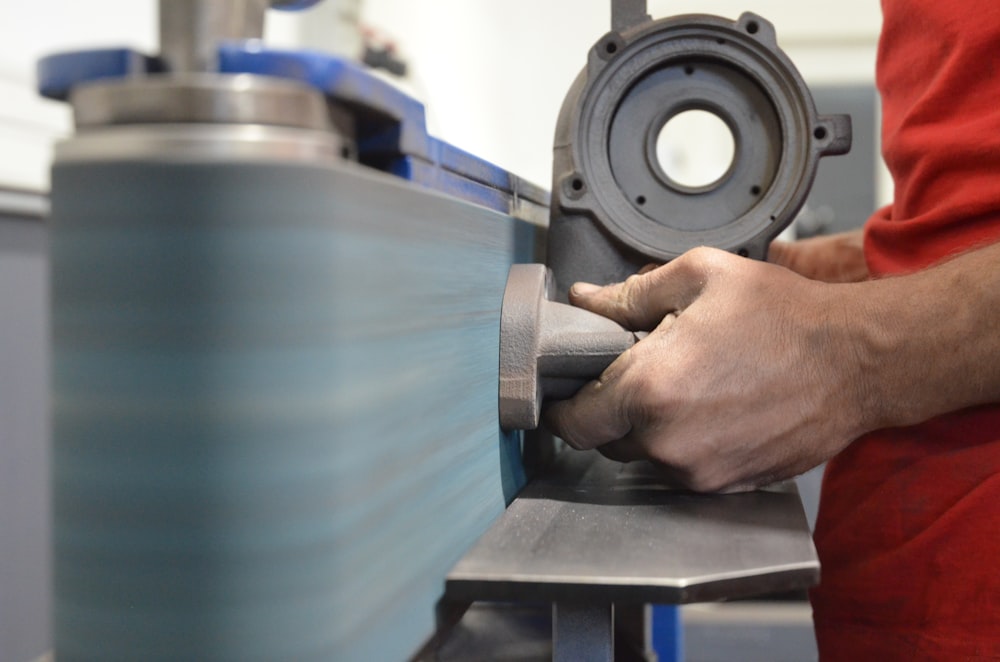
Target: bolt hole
{"points": [[576, 184], [773, 218], [743, 252], [753, 27], [641, 200], [754, 190], [611, 48], [689, 70], [820, 133]]}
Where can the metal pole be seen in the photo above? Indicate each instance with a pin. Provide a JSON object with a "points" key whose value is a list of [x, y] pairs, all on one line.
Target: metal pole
{"points": [[626, 13], [191, 30], [583, 631]]}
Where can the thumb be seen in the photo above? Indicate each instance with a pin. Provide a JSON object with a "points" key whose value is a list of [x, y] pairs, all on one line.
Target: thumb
{"points": [[643, 300]]}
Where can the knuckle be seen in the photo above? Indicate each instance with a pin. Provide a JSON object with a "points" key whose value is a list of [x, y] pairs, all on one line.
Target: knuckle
{"points": [[705, 476], [644, 394], [558, 423], [706, 482], [632, 291], [706, 260]]}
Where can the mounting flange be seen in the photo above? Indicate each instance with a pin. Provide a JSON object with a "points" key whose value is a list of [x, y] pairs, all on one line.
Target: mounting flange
{"points": [[606, 174]]}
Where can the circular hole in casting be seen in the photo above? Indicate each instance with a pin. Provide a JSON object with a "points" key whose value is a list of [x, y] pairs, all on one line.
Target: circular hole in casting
{"points": [[820, 133], [753, 27], [695, 148], [610, 48], [641, 200]]}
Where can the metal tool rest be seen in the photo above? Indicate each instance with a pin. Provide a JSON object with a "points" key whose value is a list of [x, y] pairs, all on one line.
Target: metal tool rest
{"points": [[590, 535]]}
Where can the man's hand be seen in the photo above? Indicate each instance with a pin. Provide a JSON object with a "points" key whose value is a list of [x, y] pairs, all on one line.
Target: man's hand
{"points": [[834, 258], [749, 374]]}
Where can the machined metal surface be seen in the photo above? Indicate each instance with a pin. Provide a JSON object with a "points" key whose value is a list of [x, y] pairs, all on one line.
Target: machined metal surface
{"points": [[205, 142], [19, 203], [184, 86], [191, 30], [596, 530], [25, 497], [199, 98], [548, 349], [614, 209]]}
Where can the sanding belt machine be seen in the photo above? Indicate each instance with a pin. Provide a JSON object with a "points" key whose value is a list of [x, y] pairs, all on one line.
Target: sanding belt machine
{"points": [[276, 311]]}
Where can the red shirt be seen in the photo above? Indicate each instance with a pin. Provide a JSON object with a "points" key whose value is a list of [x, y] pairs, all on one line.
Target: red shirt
{"points": [[909, 524]]}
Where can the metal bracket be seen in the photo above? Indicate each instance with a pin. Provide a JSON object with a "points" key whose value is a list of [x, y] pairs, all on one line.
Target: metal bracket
{"points": [[626, 13]]}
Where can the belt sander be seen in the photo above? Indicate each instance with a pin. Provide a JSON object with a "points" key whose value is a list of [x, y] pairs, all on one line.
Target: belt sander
{"points": [[293, 362]]}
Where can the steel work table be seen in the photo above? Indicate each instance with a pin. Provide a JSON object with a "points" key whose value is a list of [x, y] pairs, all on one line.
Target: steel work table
{"points": [[589, 534]]}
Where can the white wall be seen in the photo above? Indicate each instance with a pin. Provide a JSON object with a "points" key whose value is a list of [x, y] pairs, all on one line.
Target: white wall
{"points": [[29, 30], [493, 74]]}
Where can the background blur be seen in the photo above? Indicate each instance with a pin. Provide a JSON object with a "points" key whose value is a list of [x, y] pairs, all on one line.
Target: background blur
{"points": [[492, 74]]}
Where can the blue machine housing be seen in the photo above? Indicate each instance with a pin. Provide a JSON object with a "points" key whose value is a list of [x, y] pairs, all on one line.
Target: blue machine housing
{"points": [[275, 385]]}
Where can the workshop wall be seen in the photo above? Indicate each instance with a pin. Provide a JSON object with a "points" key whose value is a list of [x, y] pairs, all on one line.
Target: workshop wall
{"points": [[493, 75], [28, 30]]}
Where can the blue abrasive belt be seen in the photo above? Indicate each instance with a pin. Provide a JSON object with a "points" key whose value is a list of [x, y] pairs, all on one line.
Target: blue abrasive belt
{"points": [[275, 407]]}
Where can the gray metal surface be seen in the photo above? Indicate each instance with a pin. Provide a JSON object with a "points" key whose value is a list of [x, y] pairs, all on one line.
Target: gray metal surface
{"points": [[201, 142], [191, 91], [614, 209], [548, 349], [191, 30], [499, 632], [749, 632], [25, 603], [19, 203], [593, 529], [202, 98], [583, 631]]}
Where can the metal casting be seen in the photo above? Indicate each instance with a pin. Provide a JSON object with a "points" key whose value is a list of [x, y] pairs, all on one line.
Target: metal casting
{"points": [[548, 349], [614, 209]]}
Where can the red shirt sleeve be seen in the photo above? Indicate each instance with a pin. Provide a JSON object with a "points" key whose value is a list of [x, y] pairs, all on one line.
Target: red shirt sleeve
{"points": [[939, 79], [908, 531]]}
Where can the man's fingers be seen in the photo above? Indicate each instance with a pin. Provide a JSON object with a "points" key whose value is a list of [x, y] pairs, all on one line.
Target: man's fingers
{"points": [[621, 451], [641, 301], [598, 413]]}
